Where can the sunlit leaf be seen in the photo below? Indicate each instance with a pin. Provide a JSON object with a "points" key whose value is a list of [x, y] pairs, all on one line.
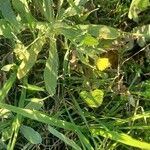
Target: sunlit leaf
{"points": [[79, 32], [29, 56], [121, 138], [136, 7], [39, 116], [143, 31], [93, 98], [8, 67], [89, 41], [32, 87]]}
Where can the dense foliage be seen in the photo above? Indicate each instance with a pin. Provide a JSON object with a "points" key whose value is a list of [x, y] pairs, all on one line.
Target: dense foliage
{"points": [[74, 74]]}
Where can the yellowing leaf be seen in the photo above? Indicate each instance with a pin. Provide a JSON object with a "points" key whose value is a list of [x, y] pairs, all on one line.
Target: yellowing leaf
{"points": [[28, 57], [93, 98], [136, 7], [102, 64]]}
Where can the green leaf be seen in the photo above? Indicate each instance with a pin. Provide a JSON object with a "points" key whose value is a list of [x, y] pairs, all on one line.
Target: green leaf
{"points": [[93, 98], [79, 32], [121, 138], [32, 87], [101, 31], [31, 135], [146, 89], [5, 29], [89, 41], [21, 6], [143, 31], [63, 138], [136, 7], [4, 113], [6, 133], [28, 56], [7, 12], [8, 67], [48, 10], [51, 69], [35, 103]]}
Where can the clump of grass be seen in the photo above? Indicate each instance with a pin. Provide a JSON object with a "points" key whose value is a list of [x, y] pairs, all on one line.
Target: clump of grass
{"points": [[69, 79]]}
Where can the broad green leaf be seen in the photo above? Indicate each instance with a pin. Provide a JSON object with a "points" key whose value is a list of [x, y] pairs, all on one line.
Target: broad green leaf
{"points": [[7, 86], [79, 32], [51, 69], [89, 41], [121, 138], [29, 56], [93, 98], [101, 31], [7, 12], [63, 138], [31, 135], [136, 7]]}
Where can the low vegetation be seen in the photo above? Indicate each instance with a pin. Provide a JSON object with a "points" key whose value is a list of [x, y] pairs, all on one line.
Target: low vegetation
{"points": [[74, 74]]}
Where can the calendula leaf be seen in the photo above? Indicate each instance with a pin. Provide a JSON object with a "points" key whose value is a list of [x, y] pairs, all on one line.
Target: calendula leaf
{"points": [[89, 41], [93, 98]]}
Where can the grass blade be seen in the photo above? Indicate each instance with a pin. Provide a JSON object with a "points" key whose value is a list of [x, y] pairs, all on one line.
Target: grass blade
{"points": [[41, 117], [121, 138]]}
